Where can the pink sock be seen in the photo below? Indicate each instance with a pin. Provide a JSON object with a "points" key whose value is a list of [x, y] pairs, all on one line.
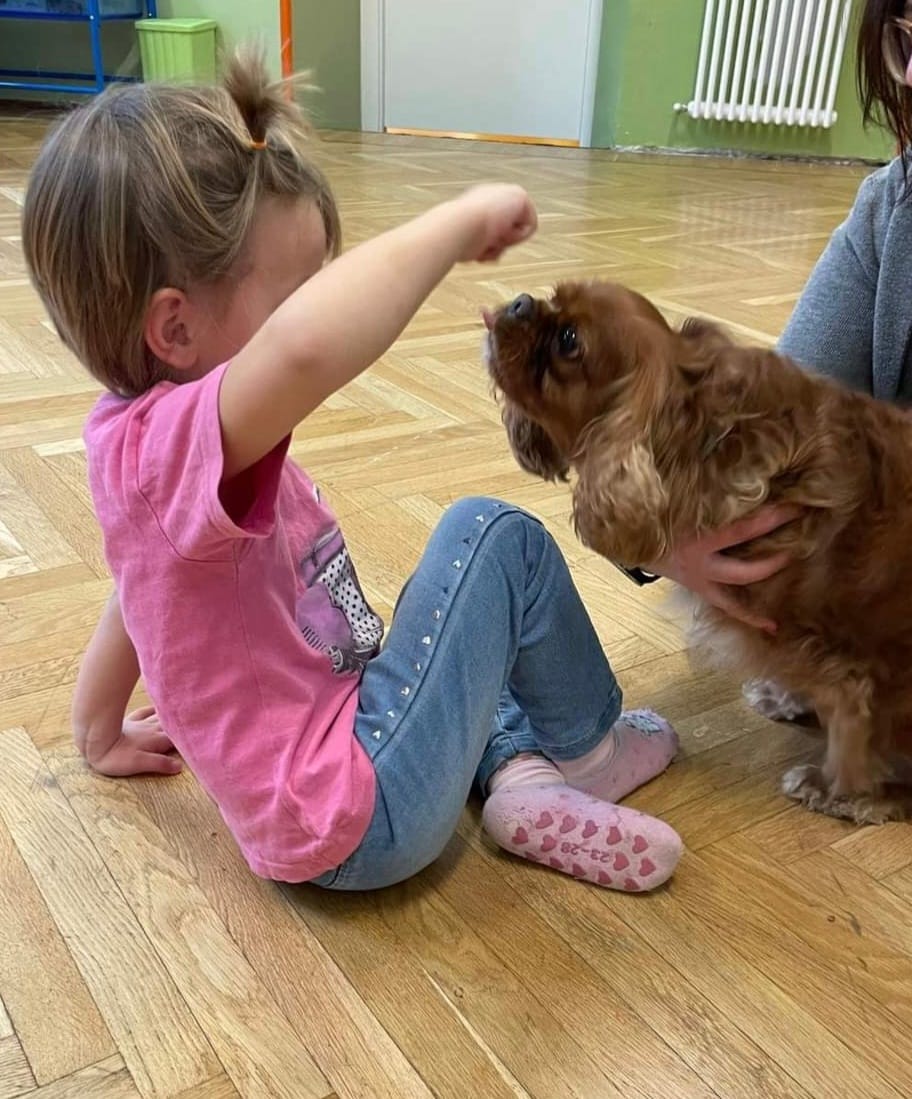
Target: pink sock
{"points": [[532, 812], [639, 746], [526, 769]]}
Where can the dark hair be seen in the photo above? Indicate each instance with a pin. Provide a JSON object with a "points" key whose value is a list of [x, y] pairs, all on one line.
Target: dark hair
{"points": [[885, 101]]}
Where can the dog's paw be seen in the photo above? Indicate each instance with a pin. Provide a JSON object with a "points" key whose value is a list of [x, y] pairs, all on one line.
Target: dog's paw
{"points": [[772, 701], [867, 809], [807, 785]]}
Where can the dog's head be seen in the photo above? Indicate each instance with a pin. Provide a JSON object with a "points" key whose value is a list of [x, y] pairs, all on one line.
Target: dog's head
{"points": [[564, 362], [670, 431]]}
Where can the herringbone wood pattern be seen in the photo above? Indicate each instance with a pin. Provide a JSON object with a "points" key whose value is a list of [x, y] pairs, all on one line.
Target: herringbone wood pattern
{"points": [[138, 957]]}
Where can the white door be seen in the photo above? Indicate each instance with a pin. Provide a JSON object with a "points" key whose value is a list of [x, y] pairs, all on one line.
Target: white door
{"points": [[517, 68]]}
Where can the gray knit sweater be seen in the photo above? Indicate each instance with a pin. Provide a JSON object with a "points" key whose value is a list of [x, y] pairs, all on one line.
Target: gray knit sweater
{"points": [[853, 321]]}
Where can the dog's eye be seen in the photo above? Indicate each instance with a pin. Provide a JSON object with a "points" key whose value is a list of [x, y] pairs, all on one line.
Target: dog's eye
{"points": [[567, 344]]}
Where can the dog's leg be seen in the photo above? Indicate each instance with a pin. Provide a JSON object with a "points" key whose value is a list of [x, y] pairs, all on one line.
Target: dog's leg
{"points": [[849, 765], [849, 785]]}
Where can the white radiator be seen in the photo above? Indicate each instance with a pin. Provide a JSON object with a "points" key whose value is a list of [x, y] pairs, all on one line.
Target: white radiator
{"points": [[770, 61]]}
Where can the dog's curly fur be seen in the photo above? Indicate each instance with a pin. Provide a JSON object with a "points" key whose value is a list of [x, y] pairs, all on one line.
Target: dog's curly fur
{"points": [[673, 433]]}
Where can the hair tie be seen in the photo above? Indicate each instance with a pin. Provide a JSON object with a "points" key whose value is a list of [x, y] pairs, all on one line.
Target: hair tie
{"points": [[257, 144]]}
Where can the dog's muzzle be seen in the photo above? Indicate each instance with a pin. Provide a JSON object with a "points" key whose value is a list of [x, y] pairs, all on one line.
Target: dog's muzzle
{"points": [[521, 308]]}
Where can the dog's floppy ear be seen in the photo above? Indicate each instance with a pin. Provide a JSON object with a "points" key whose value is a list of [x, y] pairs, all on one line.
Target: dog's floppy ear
{"points": [[533, 448], [621, 508], [700, 344], [702, 329]]}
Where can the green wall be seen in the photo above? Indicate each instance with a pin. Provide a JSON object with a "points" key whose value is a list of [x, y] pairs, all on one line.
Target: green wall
{"points": [[327, 40], [609, 82], [647, 63]]}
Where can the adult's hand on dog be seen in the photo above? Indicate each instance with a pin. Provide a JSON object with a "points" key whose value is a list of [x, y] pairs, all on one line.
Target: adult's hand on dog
{"points": [[702, 565]]}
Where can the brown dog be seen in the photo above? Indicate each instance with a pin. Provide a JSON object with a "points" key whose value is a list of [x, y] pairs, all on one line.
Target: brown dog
{"points": [[675, 433]]}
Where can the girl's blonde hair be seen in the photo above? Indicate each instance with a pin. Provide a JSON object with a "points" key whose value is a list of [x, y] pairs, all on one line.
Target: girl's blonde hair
{"points": [[154, 185]]}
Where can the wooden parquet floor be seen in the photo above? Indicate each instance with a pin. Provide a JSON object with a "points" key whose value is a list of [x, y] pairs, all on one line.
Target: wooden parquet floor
{"points": [[138, 957]]}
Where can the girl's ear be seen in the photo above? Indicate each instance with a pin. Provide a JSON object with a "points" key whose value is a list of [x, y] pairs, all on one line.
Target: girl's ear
{"points": [[169, 329]]}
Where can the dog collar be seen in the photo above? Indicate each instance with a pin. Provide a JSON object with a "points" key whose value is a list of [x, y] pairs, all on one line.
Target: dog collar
{"points": [[638, 576]]}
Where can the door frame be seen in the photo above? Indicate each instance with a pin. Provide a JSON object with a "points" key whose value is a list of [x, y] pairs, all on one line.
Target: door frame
{"points": [[373, 35]]}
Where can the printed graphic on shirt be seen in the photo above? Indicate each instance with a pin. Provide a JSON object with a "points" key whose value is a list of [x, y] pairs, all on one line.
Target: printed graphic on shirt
{"points": [[331, 612]]}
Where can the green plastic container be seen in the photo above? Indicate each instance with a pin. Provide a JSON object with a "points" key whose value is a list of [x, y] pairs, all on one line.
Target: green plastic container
{"points": [[177, 50]]}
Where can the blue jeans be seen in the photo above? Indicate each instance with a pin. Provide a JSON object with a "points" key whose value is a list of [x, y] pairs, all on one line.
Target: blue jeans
{"points": [[490, 653]]}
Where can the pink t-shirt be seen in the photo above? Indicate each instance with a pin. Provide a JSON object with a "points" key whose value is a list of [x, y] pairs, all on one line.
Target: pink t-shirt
{"points": [[248, 620]]}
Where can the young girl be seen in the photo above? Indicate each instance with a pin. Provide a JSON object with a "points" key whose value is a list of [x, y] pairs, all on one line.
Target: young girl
{"points": [[179, 240]]}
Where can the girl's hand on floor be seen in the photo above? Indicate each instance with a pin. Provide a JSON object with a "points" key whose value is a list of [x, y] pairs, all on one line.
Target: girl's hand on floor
{"points": [[141, 748]]}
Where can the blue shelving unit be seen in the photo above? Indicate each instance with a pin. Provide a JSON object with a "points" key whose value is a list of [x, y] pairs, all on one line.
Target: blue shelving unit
{"points": [[91, 12]]}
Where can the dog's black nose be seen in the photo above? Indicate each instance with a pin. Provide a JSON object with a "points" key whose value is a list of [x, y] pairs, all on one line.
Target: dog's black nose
{"points": [[521, 308]]}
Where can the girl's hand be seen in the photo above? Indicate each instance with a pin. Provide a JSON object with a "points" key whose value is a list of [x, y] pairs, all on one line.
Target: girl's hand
{"points": [[702, 567], [140, 748], [503, 214], [349, 314]]}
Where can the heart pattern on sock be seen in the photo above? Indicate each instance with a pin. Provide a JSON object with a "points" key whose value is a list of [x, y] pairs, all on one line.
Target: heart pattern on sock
{"points": [[578, 834]]}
